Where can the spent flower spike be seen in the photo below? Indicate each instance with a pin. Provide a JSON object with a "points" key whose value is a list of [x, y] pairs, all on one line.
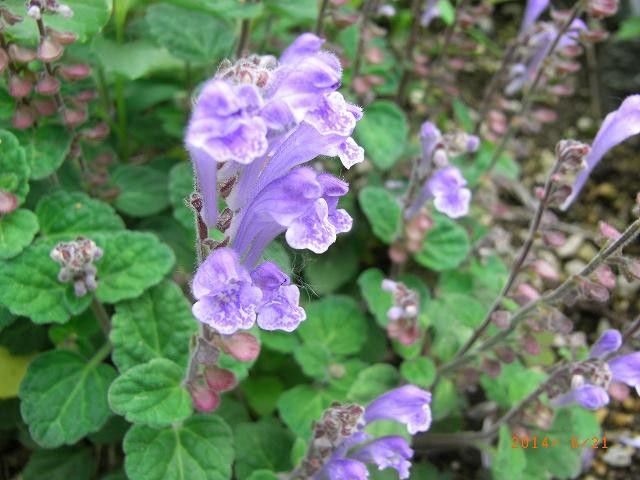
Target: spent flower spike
{"points": [[252, 128]]}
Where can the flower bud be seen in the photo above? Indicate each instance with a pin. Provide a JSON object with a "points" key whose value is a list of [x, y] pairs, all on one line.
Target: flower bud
{"points": [[8, 202], [545, 270], [34, 12], [219, 379], [49, 50], [505, 354], [99, 132], [73, 117], [525, 293], [605, 277], [63, 38], [531, 345], [242, 346], [23, 117], [74, 72], [554, 239], [48, 85], [491, 367], [204, 400], [21, 54], [45, 106], [397, 253], [608, 231], [594, 291], [602, 8], [501, 319], [19, 87]]}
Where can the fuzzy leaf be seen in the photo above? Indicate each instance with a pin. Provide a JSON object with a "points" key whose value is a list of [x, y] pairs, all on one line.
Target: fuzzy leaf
{"points": [[383, 212], [45, 148], [383, 133], [75, 463], [262, 445], [17, 229], [420, 371], [14, 168], [508, 462], [445, 246], [132, 262], [157, 324], [372, 382], [151, 394], [201, 448], [143, 190], [64, 397], [300, 406], [180, 187], [378, 300]]}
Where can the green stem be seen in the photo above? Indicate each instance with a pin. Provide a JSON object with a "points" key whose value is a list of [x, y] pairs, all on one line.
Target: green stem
{"points": [[101, 315], [100, 355]]}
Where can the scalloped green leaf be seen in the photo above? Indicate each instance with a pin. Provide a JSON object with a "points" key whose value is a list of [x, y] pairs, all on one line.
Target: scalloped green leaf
{"points": [[132, 262], [383, 212], [300, 406], [29, 287], [262, 445], [66, 215], [151, 394], [378, 300], [445, 245], [64, 397], [17, 229], [201, 448], [143, 190], [372, 382], [382, 132], [75, 463], [195, 37], [157, 324], [45, 148], [14, 168]]}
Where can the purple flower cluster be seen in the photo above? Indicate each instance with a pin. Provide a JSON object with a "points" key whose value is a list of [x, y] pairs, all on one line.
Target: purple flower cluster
{"points": [[446, 185], [252, 127], [592, 379], [408, 405]]}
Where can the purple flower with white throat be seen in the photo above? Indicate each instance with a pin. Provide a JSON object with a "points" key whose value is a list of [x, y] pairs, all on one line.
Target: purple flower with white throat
{"points": [[591, 379], [617, 126], [447, 186], [531, 13], [387, 452], [407, 404]]}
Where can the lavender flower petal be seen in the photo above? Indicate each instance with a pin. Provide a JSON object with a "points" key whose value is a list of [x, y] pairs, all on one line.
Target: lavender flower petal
{"points": [[430, 12], [609, 342], [533, 10], [344, 469], [408, 404], [626, 369], [313, 230], [589, 396], [616, 128], [450, 196], [387, 452]]}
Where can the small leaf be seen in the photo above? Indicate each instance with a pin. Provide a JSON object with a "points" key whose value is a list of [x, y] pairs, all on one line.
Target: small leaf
{"points": [[29, 286], [158, 324], [508, 462], [132, 262], [67, 463], [322, 273], [445, 246], [383, 133], [262, 393], [201, 448], [143, 190], [17, 229], [378, 300], [151, 394], [314, 358], [337, 323], [261, 445], [383, 212], [191, 36], [66, 215], [302, 405], [45, 148], [420, 371], [372, 382], [64, 397], [14, 168]]}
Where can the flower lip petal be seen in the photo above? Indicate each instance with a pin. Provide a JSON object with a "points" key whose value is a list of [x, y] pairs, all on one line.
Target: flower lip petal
{"points": [[407, 404], [626, 368], [609, 342]]}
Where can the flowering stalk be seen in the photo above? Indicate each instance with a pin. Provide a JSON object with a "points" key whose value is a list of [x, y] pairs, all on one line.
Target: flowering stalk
{"points": [[416, 6]]}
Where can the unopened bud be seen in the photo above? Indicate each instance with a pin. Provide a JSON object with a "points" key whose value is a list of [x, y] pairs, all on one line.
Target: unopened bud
{"points": [[505, 354], [491, 367], [397, 253], [553, 238], [525, 293], [594, 291], [49, 50], [608, 231], [242, 346], [20, 54], [545, 270], [594, 36], [204, 400], [74, 72], [602, 8], [63, 38], [99, 132], [19, 87], [23, 117], [531, 345], [72, 117], [8, 202], [48, 85], [605, 277], [219, 379], [45, 106], [571, 153], [501, 319]]}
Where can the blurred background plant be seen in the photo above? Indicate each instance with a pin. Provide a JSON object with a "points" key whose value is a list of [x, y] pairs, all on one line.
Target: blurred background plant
{"points": [[464, 274]]}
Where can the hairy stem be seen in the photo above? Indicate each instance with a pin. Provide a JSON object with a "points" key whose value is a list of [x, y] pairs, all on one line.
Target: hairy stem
{"points": [[101, 315], [321, 14]]}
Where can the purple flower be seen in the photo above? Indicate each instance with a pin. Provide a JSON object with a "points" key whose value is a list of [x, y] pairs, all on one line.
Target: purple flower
{"points": [[590, 386], [429, 12], [345, 469], [407, 404], [387, 452], [616, 128], [533, 10], [447, 188]]}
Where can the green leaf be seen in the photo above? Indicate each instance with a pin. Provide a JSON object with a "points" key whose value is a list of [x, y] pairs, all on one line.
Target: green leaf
{"points": [[29, 286], [300, 406], [447, 11], [66, 215], [383, 212], [301, 11], [180, 187], [314, 358], [75, 463], [262, 393], [45, 148], [378, 300], [89, 16], [191, 36], [158, 324], [134, 59], [64, 397], [143, 190], [337, 323], [132, 262], [629, 29], [152, 394], [262, 475], [420, 371], [513, 384], [508, 463], [372, 382], [227, 9], [445, 246], [14, 168], [17, 229], [201, 448], [262, 445], [322, 273], [383, 133]]}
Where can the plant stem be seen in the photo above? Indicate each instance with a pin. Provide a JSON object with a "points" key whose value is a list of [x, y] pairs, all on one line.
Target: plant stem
{"points": [[100, 355], [321, 14], [101, 315], [416, 6], [245, 30], [367, 8], [528, 99]]}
